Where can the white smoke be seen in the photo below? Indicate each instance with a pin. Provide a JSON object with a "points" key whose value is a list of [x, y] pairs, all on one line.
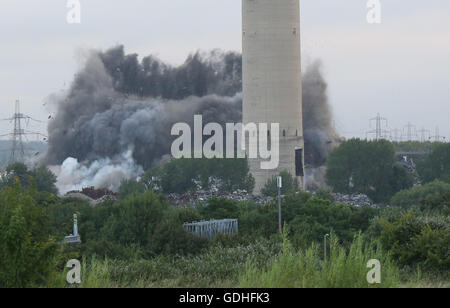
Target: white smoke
{"points": [[103, 173]]}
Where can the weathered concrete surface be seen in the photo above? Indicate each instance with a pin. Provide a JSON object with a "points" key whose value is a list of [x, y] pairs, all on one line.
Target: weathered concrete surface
{"points": [[272, 77]]}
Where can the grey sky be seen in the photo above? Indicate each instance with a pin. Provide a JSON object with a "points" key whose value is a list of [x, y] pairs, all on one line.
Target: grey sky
{"points": [[399, 68]]}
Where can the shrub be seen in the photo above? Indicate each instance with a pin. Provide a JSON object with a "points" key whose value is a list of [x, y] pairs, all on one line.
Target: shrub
{"points": [[42, 178], [28, 253], [130, 187], [437, 164], [45, 180], [219, 208], [361, 166], [180, 175], [309, 221], [416, 239], [432, 197], [289, 185], [324, 194], [260, 221]]}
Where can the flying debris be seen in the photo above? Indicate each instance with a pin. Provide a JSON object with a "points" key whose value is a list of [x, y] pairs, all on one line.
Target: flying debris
{"points": [[94, 121]]}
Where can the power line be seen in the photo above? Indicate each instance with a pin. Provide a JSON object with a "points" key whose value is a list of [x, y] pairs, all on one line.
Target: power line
{"points": [[424, 132], [410, 132], [396, 135], [437, 137], [18, 149], [379, 131]]}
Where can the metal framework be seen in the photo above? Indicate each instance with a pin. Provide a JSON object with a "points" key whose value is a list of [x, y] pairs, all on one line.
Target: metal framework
{"points": [[437, 137], [380, 131], [209, 229], [411, 132], [18, 150]]}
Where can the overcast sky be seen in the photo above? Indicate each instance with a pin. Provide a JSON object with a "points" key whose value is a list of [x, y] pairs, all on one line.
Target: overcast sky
{"points": [[399, 68]]}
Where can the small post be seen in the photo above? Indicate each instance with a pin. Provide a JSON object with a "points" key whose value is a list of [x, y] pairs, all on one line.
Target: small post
{"points": [[325, 246], [75, 237], [75, 225], [279, 185]]}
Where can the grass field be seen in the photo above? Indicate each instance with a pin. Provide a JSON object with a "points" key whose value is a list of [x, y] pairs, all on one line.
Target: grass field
{"points": [[260, 265]]}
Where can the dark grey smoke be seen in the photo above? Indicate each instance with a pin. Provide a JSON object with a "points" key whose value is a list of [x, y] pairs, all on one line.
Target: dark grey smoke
{"points": [[116, 103], [103, 117], [319, 132], [202, 74]]}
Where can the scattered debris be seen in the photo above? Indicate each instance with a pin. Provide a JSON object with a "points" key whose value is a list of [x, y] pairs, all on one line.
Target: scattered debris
{"points": [[92, 195], [354, 199], [408, 163], [202, 197]]}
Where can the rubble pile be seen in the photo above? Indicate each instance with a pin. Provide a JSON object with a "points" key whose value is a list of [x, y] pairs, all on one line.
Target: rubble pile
{"points": [[354, 199], [95, 194], [92, 195], [202, 197], [410, 167]]}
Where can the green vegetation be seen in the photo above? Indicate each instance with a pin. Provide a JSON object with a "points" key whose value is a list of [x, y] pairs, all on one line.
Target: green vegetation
{"points": [[345, 268], [368, 167], [130, 187], [437, 164], [289, 185], [179, 175], [416, 239], [219, 266], [43, 179], [27, 251], [139, 241], [433, 197]]}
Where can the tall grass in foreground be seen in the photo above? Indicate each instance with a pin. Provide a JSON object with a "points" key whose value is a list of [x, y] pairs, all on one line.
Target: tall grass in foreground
{"points": [[261, 264], [95, 273], [344, 268], [216, 267]]}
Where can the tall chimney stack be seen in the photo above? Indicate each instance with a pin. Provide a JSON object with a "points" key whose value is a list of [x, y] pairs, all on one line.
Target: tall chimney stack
{"points": [[272, 90]]}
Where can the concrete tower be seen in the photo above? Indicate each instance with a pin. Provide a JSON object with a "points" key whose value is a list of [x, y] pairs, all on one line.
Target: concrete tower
{"points": [[272, 79]]}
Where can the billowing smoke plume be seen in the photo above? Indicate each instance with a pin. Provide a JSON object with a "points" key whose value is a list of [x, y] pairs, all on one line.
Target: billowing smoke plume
{"points": [[105, 173], [117, 103], [318, 126], [102, 116]]}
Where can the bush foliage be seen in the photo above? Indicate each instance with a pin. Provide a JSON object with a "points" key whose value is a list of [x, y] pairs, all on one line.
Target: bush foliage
{"points": [[308, 269], [368, 167], [139, 239]]}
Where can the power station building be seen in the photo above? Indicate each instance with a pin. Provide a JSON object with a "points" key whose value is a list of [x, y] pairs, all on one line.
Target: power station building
{"points": [[272, 90]]}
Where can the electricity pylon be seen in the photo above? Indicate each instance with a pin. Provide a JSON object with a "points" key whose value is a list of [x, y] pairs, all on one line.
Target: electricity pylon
{"points": [[380, 130], [423, 132], [18, 149], [437, 137], [411, 133], [396, 135]]}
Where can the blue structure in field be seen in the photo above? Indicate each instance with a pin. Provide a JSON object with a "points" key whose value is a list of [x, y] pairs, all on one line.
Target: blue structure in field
{"points": [[209, 229]]}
